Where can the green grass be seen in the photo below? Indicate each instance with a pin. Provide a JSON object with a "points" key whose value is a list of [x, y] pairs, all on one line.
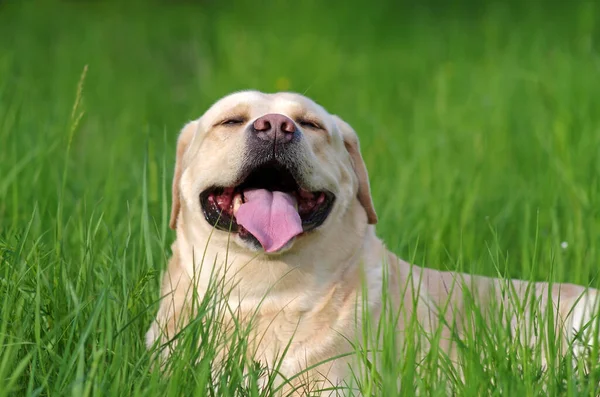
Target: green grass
{"points": [[480, 125]]}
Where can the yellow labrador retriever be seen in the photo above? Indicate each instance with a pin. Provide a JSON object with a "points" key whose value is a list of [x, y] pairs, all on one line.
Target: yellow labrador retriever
{"points": [[272, 190]]}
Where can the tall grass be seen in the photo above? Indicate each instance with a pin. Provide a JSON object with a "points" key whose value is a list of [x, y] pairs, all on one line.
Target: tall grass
{"points": [[479, 124]]}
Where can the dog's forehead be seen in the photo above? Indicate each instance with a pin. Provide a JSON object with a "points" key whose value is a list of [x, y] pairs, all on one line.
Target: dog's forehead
{"points": [[255, 104]]}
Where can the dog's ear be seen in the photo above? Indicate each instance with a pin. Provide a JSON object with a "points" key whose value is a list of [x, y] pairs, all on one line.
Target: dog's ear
{"points": [[353, 147], [183, 142]]}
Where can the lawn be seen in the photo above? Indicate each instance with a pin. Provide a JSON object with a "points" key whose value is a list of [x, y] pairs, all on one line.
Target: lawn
{"points": [[479, 123]]}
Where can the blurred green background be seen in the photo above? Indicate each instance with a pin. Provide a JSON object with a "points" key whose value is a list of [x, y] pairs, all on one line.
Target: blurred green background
{"points": [[479, 123]]}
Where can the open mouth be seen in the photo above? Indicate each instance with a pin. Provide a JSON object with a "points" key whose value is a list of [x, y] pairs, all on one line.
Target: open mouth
{"points": [[268, 207]]}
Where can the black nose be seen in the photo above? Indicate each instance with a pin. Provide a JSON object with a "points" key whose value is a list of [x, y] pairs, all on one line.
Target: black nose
{"points": [[275, 128]]}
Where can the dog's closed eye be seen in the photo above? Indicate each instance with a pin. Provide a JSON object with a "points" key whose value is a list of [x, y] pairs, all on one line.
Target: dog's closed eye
{"points": [[310, 124], [232, 121]]}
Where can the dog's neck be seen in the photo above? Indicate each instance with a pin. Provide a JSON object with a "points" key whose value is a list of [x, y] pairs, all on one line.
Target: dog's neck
{"points": [[315, 263]]}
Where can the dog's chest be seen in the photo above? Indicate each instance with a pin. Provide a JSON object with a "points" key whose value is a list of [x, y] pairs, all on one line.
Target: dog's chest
{"points": [[307, 335]]}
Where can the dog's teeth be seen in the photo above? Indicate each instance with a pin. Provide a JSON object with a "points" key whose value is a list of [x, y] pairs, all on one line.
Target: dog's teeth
{"points": [[237, 201]]}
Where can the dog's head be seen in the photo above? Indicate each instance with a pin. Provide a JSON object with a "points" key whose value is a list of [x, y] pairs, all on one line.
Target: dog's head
{"points": [[270, 169]]}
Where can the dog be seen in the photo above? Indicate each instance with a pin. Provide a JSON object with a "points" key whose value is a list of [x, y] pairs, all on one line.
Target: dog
{"points": [[272, 191]]}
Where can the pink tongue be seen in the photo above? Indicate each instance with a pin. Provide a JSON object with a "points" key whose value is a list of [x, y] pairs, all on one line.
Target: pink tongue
{"points": [[271, 217]]}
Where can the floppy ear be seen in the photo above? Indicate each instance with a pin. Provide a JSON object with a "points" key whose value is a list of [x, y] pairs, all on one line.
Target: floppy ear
{"points": [[183, 142], [353, 148]]}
